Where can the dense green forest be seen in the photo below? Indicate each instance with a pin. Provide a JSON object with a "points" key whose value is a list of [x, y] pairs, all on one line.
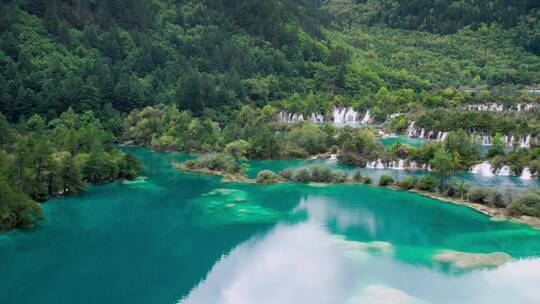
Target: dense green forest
{"points": [[42, 159], [212, 57]]}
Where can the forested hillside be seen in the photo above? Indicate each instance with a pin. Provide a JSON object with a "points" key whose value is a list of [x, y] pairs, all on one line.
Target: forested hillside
{"points": [[212, 57]]}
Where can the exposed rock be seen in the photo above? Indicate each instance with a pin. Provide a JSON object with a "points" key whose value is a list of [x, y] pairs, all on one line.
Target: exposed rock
{"points": [[467, 261]]}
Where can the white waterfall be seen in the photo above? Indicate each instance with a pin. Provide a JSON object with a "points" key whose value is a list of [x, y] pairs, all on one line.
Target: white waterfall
{"points": [[486, 140], [399, 164], [376, 164], [410, 129], [441, 136], [344, 115], [493, 107], [422, 133], [286, 117], [484, 168], [504, 171], [367, 118], [350, 116], [316, 118], [526, 174], [525, 142]]}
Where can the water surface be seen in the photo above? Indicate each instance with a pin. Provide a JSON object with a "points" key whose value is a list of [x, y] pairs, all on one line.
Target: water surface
{"points": [[180, 237]]}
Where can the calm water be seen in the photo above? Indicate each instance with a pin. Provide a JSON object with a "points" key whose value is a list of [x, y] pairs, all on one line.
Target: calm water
{"points": [[415, 142], [177, 237]]}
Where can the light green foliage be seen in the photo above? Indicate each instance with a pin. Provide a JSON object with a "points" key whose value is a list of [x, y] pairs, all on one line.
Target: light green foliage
{"points": [[407, 182], [480, 195], [308, 137], [237, 149], [443, 165], [426, 183], [218, 162], [267, 177], [527, 203]]}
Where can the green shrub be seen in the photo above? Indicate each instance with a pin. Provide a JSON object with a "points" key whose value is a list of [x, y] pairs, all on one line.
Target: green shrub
{"points": [[100, 168], [267, 177], [456, 188], [302, 175], [190, 163], [321, 174], [128, 166], [527, 203], [386, 180], [357, 176], [219, 162], [426, 183], [350, 159], [339, 176], [367, 180], [407, 183], [286, 174], [480, 195], [496, 199]]}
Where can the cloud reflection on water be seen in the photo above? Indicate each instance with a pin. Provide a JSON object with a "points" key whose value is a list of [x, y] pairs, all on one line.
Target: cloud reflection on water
{"points": [[291, 264], [303, 263]]}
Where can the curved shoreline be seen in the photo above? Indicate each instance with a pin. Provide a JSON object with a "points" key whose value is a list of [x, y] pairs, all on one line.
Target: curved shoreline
{"points": [[495, 214]]}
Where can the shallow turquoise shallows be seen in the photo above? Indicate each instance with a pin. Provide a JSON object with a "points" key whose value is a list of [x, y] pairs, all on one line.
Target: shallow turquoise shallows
{"points": [[178, 237]]}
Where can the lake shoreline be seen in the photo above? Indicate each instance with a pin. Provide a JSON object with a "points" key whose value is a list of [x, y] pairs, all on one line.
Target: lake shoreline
{"points": [[495, 214]]}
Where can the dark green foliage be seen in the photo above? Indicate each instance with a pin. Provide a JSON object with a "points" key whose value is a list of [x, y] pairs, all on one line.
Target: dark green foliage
{"points": [[45, 159], [128, 167], [426, 183], [445, 16], [386, 180], [100, 168], [367, 180], [17, 209]]}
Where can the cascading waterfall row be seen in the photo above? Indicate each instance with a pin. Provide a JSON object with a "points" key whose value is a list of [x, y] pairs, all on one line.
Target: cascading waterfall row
{"points": [[339, 116], [484, 140], [497, 107], [400, 164], [486, 169]]}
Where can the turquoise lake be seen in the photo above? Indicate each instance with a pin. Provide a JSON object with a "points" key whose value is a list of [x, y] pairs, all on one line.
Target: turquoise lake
{"points": [[175, 237]]}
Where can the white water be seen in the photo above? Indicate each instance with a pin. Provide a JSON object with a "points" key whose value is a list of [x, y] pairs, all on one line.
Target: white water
{"points": [[350, 116], [526, 174], [400, 164], [367, 118], [484, 168], [525, 142], [504, 171]]}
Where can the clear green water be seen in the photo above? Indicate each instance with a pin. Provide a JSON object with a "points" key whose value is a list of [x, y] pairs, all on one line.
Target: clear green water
{"points": [[415, 142], [179, 237]]}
